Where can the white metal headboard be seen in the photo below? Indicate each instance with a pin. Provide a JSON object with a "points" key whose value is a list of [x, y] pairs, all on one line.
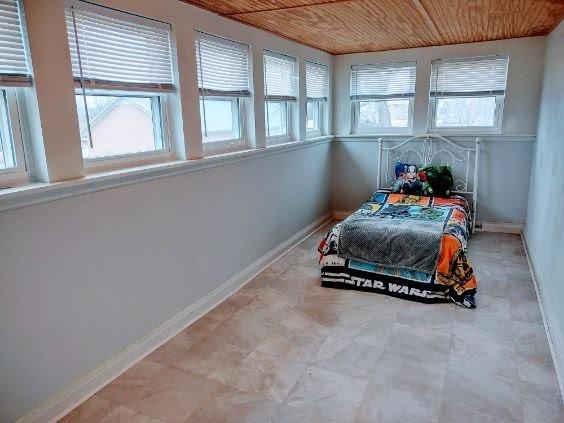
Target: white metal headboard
{"points": [[430, 149]]}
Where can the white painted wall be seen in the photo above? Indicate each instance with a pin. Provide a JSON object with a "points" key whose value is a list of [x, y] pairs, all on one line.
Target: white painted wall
{"points": [[526, 58], [505, 160], [82, 278], [503, 178], [545, 226]]}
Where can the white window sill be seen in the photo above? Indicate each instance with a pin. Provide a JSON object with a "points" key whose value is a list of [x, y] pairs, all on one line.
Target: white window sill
{"points": [[220, 148], [462, 136], [39, 192], [272, 141], [467, 131], [108, 164], [13, 178]]}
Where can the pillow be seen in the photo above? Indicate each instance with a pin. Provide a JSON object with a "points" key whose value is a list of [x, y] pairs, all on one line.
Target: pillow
{"points": [[407, 179], [437, 181]]}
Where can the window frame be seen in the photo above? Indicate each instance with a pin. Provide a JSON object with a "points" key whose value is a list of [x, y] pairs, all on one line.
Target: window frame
{"points": [[161, 121], [11, 98], [109, 84], [382, 130], [232, 144], [316, 132], [284, 138], [495, 129]]}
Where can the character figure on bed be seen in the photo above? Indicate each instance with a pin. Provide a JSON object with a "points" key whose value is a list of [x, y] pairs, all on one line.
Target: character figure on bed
{"points": [[407, 179]]}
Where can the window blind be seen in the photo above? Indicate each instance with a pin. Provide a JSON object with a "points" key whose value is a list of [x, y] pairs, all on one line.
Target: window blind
{"points": [[116, 50], [223, 66], [14, 66], [279, 77], [316, 81], [476, 76], [383, 81]]}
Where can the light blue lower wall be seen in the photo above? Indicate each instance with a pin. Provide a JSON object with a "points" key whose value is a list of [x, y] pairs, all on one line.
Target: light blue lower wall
{"points": [[545, 214], [83, 277], [505, 164]]}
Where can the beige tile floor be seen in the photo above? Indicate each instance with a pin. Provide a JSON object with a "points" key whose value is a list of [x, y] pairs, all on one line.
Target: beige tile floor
{"points": [[284, 349]]}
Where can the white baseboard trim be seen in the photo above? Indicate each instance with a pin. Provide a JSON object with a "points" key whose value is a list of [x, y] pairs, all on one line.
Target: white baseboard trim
{"points": [[76, 393], [551, 324], [501, 227]]}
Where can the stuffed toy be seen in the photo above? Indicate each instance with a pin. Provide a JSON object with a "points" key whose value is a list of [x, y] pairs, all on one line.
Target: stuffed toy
{"points": [[407, 179], [436, 180]]}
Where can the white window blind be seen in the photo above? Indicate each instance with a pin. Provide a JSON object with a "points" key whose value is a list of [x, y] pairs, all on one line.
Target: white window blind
{"points": [[475, 76], [279, 77], [14, 66], [316, 81], [223, 66], [383, 81], [116, 50]]}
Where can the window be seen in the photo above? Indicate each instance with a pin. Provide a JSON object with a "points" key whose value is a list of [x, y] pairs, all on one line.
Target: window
{"points": [[14, 74], [382, 97], [316, 93], [314, 116], [277, 115], [281, 92], [223, 81], [123, 72], [468, 94]]}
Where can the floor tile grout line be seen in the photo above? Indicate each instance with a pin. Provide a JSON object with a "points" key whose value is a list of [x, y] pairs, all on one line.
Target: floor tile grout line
{"points": [[393, 323]]}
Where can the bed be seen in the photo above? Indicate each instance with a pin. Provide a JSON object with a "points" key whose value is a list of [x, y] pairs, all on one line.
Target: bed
{"points": [[409, 246]]}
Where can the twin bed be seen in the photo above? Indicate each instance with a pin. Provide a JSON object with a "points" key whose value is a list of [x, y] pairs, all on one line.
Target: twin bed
{"points": [[404, 245]]}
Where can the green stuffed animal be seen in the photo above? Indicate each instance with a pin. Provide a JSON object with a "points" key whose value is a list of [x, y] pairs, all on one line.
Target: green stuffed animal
{"points": [[437, 180]]}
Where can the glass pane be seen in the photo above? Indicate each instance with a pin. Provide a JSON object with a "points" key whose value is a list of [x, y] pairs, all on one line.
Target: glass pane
{"points": [[219, 119], [465, 111], [383, 114], [276, 117], [313, 116], [119, 125], [7, 153]]}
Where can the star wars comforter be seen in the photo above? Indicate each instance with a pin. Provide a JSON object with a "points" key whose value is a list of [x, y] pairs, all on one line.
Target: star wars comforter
{"points": [[452, 278]]}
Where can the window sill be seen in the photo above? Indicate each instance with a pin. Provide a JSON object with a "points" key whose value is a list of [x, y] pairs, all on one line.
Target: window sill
{"points": [[458, 136], [109, 164], [278, 140], [13, 178], [39, 192], [224, 148]]}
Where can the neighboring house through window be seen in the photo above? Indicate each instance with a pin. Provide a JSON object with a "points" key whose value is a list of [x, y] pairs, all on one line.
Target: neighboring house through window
{"points": [[122, 68]]}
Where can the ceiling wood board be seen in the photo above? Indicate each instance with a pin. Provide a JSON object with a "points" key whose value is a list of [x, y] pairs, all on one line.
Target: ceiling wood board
{"points": [[231, 7], [483, 20], [352, 26]]}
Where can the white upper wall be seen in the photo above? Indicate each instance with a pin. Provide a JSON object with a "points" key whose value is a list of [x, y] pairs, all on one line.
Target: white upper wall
{"points": [[65, 163], [526, 59]]}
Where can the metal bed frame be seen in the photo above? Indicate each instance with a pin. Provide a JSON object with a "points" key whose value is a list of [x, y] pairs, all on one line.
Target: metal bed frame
{"points": [[432, 149]]}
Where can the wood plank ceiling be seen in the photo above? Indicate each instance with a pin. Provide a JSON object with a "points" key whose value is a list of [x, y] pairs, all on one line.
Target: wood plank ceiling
{"points": [[352, 26]]}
